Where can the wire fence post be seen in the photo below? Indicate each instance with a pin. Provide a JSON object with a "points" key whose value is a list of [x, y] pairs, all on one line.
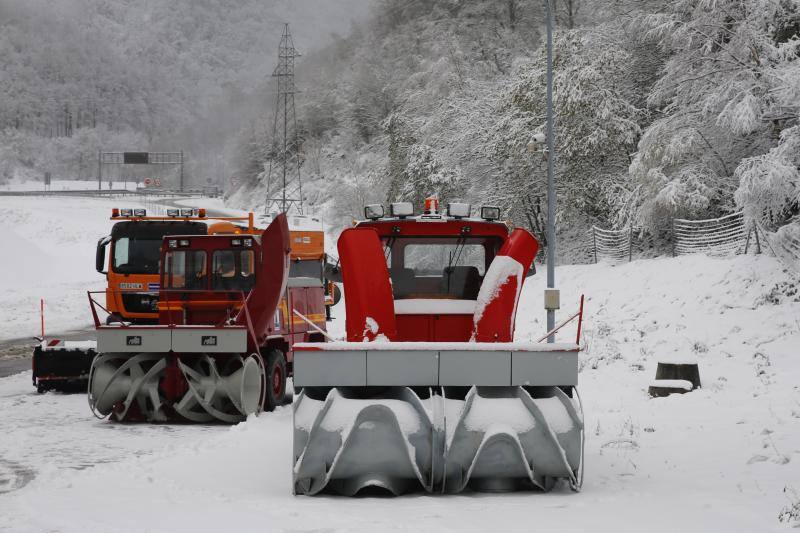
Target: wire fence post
{"points": [[673, 237], [758, 242], [747, 240], [594, 243], [630, 243]]}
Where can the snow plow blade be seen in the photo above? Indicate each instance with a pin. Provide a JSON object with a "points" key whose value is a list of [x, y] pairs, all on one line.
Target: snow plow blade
{"points": [[62, 365], [405, 417]]}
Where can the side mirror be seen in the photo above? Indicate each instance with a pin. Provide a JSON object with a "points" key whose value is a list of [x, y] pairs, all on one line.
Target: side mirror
{"points": [[531, 271], [100, 255]]}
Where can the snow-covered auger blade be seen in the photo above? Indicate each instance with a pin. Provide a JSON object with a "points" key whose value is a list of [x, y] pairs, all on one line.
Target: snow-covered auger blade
{"points": [[387, 442], [429, 392], [509, 438], [222, 330]]}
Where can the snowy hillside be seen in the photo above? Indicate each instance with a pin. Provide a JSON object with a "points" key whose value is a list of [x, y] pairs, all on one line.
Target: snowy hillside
{"points": [[722, 458], [53, 260]]}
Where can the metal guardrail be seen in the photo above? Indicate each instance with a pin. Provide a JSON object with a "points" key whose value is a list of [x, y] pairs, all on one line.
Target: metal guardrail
{"points": [[105, 193]]}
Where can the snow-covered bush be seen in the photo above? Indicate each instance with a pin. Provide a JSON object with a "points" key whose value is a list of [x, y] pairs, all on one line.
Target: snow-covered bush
{"points": [[769, 184]]}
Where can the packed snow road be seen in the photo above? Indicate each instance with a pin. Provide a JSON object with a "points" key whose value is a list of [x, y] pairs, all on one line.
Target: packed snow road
{"points": [[722, 458]]}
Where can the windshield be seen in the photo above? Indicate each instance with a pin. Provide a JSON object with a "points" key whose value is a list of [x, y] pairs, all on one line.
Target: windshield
{"points": [[186, 269], [134, 255], [136, 245], [438, 267], [233, 270]]}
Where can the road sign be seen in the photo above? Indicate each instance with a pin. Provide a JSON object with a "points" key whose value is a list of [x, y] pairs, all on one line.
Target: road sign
{"points": [[136, 158], [147, 182], [158, 182]]}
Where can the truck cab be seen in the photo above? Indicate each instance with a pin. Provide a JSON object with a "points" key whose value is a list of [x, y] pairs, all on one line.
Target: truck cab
{"points": [[437, 263], [132, 266]]}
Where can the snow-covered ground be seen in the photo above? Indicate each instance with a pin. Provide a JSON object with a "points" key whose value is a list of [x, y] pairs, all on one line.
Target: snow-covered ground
{"points": [[716, 459], [48, 253], [66, 185]]}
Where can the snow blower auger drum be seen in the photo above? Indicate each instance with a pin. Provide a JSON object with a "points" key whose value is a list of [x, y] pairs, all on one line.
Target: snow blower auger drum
{"points": [[219, 316], [136, 386], [429, 392]]}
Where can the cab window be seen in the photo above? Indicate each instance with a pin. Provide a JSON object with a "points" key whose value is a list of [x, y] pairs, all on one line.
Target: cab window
{"points": [[186, 269], [438, 267], [135, 255], [233, 270]]}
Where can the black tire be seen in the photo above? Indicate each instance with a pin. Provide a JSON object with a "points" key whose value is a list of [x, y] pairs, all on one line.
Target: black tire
{"points": [[276, 380]]}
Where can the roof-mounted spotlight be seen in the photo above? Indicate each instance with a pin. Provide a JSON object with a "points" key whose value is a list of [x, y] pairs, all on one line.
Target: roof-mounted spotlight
{"points": [[373, 211], [490, 212], [458, 209], [401, 209]]}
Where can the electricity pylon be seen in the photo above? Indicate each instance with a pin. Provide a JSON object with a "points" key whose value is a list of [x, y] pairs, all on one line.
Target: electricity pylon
{"points": [[284, 187]]}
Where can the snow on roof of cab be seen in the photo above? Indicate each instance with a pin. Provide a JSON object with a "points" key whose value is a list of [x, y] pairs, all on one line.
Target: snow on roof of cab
{"points": [[296, 222]]}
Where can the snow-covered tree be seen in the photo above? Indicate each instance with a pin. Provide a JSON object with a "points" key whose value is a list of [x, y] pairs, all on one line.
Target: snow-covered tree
{"points": [[724, 95], [769, 184]]}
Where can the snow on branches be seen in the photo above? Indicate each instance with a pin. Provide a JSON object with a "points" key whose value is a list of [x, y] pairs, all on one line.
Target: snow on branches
{"points": [[729, 85], [769, 184]]}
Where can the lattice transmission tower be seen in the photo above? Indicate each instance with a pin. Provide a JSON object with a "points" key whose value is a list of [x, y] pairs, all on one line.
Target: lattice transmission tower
{"points": [[284, 186]]}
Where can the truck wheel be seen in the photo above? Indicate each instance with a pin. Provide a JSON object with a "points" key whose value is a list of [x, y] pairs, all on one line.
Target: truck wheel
{"points": [[276, 380]]}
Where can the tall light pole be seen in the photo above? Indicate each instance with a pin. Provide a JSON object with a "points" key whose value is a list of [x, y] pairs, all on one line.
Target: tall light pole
{"points": [[551, 299]]}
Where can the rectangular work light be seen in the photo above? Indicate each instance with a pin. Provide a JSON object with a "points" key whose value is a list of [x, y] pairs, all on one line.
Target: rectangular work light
{"points": [[458, 210], [401, 209], [490, 212], [373, 211]]}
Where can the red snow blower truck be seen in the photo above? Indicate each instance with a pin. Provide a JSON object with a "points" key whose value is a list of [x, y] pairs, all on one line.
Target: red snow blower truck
{"points": [[228, 317], [430, 391]]}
